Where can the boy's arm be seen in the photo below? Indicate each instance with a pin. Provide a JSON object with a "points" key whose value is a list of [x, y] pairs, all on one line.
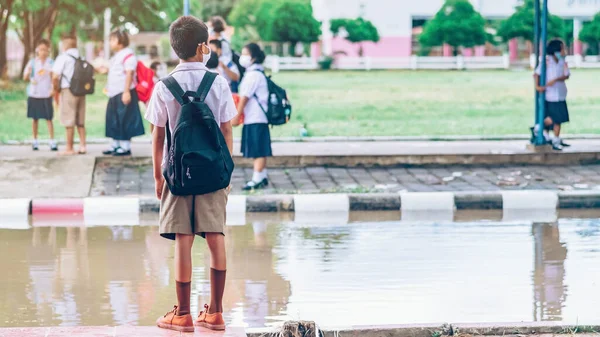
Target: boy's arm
{"points": [[158, 143], [227, 132]]}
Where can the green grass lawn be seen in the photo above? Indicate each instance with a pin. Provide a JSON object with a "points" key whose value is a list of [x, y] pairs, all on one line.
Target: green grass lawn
{"points": [[383, 103]]}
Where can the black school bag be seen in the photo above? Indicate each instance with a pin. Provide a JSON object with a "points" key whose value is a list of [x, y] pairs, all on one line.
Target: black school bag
{"points": [[279, 109], [198, 161], [83, 81], [235, 58]]}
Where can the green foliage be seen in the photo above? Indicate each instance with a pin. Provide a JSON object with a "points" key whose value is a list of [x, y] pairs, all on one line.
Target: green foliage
{"points": [[293, 21], [457, 24], [521, 24], [590, 33], [359, 29]]}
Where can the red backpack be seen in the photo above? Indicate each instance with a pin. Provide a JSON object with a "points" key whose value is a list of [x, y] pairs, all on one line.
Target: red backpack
{"points": [[145, 80]]}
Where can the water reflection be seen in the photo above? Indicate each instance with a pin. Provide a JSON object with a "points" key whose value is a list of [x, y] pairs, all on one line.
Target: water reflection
{"points": [[366, 273]]}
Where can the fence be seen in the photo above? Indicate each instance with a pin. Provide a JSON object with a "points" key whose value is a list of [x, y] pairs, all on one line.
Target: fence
{"points": [[576, 61], [276, 63]]}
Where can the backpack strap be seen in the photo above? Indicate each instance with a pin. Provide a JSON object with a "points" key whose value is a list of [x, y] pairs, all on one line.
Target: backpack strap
{"points": [[175, 89], [205, 85]]}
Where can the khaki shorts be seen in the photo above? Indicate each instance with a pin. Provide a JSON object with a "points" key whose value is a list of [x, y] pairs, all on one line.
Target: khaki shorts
{"points": [[72, 109], [192, 214]]}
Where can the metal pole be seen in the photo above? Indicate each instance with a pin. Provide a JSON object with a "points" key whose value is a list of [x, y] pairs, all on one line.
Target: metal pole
{"points": [[186, 7], [542, 96], [536, 48]]}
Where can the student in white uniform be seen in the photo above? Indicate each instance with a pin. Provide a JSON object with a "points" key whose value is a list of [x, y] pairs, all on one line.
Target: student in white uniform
{"points": [[71, 107], [254, 93], [230, 71], [39, 92], [557, 73], [217, 32], [123, 117]]}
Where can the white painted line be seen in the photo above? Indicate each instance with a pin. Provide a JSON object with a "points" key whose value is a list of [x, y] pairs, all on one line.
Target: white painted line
{"points": [[529, 200], [236, 210], [111, 211], [427, 201], [14, 213], [521, 216], [304, 203], [422, 216]]}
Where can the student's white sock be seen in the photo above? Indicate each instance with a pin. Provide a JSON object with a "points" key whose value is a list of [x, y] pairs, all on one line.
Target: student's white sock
{"points": [[35, 142], [115, 144], [263, 174], [256, 177], [52, 142], [126, 145]]}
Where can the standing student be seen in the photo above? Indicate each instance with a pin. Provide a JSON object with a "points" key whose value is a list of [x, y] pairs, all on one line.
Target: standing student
{"points": [[39, 92], [123, 117], [557, 73], [230, 71], [183, 217], [254, 93], [217, 32], [71, 107]]}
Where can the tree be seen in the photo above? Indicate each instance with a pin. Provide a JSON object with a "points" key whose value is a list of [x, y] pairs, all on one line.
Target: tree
{"points": [[6, 8], [356, 30], [521, 24], [457, 24], [293, 22], [590, 33]]}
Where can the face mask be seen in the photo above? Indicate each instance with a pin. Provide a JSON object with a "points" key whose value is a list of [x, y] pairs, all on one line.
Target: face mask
{"points": [[245, 61], [213, 61], [206, 57], [558, 55]]}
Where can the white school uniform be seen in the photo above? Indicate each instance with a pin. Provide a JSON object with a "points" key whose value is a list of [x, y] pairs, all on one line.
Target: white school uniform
{"points": [[558, 91], [65, 66], [117, 71], [163, 106], [226, 51], [255, 83], [40, 78], [231, 67]]}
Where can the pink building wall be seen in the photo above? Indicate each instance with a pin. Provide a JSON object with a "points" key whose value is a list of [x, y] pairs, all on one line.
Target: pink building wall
{"points": [[388, 46]]}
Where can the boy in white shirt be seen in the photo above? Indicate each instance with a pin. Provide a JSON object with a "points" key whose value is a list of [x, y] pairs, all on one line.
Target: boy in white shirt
{"points": [[183, 217], [72, 108], [39, 101], [123, 116], [557, 72]]}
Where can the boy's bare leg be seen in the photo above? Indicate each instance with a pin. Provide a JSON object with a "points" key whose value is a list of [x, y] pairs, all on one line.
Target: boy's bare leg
{"points": [[70, 138], [218, 270], [183, 272], [50, 129], [82, 143]]}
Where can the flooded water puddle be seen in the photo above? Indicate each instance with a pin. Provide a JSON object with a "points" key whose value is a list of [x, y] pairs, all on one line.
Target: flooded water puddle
{"points": [[365, 273]]}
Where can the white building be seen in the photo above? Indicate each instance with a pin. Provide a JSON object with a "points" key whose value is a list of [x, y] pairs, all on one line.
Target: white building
{"points": [[394, 20]]}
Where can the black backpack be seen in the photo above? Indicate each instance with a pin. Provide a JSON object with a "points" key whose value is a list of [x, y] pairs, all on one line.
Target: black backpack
{"points": [[279, 109], [235, 58], [199, 161], [83, 81]]}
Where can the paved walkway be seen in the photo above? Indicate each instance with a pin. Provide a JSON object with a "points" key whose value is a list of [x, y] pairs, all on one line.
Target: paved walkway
{"points": [[353, 148], [137, 180]]}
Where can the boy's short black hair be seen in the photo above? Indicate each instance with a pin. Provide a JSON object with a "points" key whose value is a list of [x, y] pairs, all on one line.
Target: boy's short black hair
{"points": [[186, 33], [554, 46], [216, 43], [122, 37], [43, 42], [154, 65], [218, 24]]}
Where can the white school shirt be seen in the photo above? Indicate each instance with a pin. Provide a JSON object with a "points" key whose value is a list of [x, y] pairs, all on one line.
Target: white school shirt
{"points": [[226, 51], [163, 106], [558, 91], [40, 85], [65, 66], [116, 72], [231, 67], [254, 82]]}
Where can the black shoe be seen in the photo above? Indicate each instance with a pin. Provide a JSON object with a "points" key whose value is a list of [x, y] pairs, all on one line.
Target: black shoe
{"points": [[121, 153], [563, 144], [109, 152], [53, 147], [251, 185], [557, 147], [34, 147]]}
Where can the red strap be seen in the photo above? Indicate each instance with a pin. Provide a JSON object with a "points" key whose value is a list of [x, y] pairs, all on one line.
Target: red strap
{"points": [[127, 58]]}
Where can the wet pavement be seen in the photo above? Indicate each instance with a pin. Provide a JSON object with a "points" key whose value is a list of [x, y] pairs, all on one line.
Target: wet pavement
{"points": [[121, 180], [364, 273]]}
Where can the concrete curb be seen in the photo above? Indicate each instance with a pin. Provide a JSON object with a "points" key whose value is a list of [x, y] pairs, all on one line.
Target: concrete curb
{"points": [[428, 330]]}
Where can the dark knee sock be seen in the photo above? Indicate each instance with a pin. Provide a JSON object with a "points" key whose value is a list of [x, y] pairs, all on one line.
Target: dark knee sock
{"points": [[217, 289], [183, 297]]}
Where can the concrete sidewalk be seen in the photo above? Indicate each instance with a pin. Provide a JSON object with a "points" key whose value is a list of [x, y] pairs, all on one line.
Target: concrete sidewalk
{"points": [[379, 153]]}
